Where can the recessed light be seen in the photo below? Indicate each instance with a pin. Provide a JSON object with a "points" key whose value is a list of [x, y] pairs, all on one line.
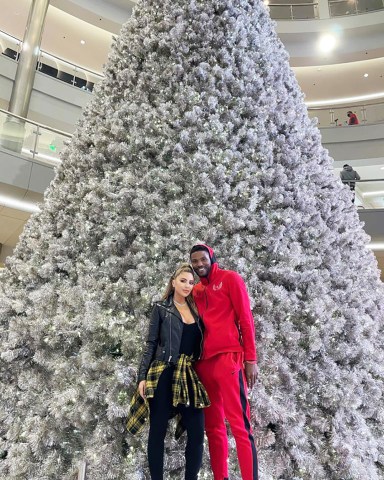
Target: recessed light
{"points": [[266, 2], [82, 42], [381, 168], [327, 43], [365, 75]]}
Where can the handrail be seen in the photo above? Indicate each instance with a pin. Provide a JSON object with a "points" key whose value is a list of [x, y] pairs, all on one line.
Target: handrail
{"points": [[308, 4], [355, 1], [76, 67], [9, 35], [55, 57], [37, 124], [366, 180]]}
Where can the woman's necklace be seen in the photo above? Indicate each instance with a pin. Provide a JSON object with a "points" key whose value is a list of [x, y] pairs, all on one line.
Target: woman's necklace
{"points": [[179, 304]]}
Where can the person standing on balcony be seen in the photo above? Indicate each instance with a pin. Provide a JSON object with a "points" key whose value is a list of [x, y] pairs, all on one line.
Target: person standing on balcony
{"points": [[353, 120], [348, 176]]}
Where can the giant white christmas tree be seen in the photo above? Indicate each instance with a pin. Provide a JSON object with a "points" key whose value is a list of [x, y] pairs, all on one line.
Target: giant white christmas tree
{"points": [[198, 132]]}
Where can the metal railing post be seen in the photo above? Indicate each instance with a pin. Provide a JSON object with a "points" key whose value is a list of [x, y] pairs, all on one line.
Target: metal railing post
{"points": [[332, 115], [363, 111], [34, 151]]}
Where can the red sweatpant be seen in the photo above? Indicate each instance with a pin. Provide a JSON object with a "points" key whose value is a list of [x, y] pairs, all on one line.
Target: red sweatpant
{"points": [[224, 379]]}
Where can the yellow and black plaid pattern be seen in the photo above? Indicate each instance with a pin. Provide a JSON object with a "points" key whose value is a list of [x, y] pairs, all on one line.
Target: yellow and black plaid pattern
{"points": [[139, 408]]}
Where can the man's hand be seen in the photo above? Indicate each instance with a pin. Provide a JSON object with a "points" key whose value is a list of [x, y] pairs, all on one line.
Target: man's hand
{"points": [[250, 373]]}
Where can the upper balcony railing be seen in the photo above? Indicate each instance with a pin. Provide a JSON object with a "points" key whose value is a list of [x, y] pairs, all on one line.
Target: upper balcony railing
{"points": [[368, 193], [31, 140], [43, 144], [52, 65], [292, 11], [39, 142], [335, 116], [339, 8], [304, 10]]}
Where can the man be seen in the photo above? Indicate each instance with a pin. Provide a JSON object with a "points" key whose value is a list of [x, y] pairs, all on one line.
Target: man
{"points": [[228, 362], [348, 175]]}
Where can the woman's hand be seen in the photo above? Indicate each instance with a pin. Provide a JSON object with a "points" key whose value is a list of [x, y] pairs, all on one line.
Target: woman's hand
{"points": [[142, 386]]}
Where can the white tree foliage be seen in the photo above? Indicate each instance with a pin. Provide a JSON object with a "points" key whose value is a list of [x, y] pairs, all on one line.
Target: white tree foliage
{"points": [[198, 132]]}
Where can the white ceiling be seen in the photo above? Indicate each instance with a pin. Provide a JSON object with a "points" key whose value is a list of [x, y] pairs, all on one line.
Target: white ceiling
{"points": [[62, 34]]}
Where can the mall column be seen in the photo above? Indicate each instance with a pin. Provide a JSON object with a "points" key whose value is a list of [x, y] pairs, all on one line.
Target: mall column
{"points": [[14, 129]]}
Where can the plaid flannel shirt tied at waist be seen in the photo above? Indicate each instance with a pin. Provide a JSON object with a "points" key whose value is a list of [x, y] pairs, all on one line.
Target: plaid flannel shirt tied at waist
{"points": [[139, 408]]}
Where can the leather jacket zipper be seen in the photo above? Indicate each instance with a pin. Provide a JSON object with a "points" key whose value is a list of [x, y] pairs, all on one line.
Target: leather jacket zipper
{"points": [[170, 337]]}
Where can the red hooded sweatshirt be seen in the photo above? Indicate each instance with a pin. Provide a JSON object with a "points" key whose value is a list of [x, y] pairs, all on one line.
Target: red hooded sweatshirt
{"points": [[223, 303]]}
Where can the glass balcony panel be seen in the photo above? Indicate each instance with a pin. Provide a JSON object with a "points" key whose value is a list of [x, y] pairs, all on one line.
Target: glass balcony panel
{"points": [[17, 135], [337, 116], [47, 65], [370, 193], [49, 146], [68, 72], [280, 12], [81, 79], [29, 140], [287, 10], [340, 8], [303, 12], [9, 46], [375, 113]]}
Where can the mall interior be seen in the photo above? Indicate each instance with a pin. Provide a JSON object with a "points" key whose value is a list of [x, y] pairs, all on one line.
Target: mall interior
{"points": [[52, 55]]}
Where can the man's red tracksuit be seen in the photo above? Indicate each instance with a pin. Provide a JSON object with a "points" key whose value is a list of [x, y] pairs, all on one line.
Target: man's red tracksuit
{"points": [[229, 339]]}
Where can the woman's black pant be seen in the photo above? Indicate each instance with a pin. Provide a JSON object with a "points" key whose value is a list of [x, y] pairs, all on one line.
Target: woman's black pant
{"points": [[193, 420]]}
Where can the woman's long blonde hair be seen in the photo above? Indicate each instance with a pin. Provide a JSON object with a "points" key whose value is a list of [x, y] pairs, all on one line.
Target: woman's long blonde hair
{"points": [[184, 267]]}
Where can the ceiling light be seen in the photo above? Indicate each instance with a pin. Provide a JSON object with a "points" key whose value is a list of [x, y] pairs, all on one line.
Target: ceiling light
{"points": [[381, 168], [19, 204], [365, 75], [327, 43], [82, 42], [266, 2]]}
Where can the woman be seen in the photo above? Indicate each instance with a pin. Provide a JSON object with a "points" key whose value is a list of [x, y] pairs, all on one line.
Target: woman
{"points": [[167, 379]]}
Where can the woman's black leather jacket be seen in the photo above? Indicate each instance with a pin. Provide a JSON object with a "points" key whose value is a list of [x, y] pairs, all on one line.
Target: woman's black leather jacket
{"points": [[164, 336]]}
